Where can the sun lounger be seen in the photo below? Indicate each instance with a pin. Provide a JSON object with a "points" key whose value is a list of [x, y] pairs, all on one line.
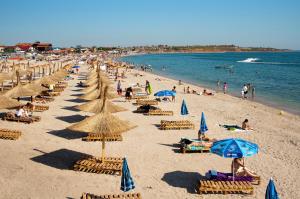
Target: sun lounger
{"points": [[193, 145], [138, 97], [96, 137], [52, 94], [43, 99], [112, 196], [57, 89], [159, 112], [8, 134], [112, 166], [225, 187], [9, 116], [146, 102], [40, 108], [176, 125], [219, 176]]}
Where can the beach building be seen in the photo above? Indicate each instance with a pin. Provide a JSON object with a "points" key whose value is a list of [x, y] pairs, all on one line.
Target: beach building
{"points": [[42, 46]]}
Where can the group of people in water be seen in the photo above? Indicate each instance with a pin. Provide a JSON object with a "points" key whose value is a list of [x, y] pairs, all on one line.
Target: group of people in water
{"points": [[248, 88]]}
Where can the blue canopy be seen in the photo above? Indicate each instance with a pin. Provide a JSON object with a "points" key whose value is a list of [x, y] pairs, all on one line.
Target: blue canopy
{"points": [[203, 126], [271, 192], [164, 93], [76, 67], [234, 148], [126, 179], [184, 110]]}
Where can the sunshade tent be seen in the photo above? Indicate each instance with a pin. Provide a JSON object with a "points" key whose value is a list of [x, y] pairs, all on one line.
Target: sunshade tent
{"points": [[104, 124], [6, 102], [165, 93], [234, 148], [20, 91]]}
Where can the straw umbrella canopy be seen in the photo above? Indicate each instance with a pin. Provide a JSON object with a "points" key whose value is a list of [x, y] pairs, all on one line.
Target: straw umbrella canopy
{"points": [[7, 76], [47, 80], [104, 124], [96, 94], [35, 86], [90, 88], [6, 102], [96, 105], [19, 91]]}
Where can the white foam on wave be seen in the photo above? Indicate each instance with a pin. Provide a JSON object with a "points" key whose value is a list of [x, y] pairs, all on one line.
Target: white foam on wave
{"points": [[249, 60]]}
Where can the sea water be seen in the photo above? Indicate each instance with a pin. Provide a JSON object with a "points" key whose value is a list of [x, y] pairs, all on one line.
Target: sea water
{"points": [[275, 75]]}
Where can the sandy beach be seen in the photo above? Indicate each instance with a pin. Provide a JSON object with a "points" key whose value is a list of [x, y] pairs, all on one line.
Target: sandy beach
{"points": [[38, 164]]}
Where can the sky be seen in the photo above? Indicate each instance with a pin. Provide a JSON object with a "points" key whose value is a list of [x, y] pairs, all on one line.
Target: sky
{"points": [[64, 23]]}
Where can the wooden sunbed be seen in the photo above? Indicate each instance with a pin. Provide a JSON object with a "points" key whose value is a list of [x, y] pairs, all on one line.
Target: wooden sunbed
{"points": [[96, 137], [9, 116], [139, 97], [112, 196], [146, 102], [52, 94], [112, 166], [159, 112], [198, 149], [225, 187], [40, 108], [43, 99], [58, 89], [176, 125], [8, 134]]}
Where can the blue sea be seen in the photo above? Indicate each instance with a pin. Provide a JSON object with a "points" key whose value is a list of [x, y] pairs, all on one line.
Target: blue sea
{"points": [[275, 75]]}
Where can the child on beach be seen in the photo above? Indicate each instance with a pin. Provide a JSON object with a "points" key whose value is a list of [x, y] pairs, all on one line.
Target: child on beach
{"points": [[225, 87], [173, 96]]}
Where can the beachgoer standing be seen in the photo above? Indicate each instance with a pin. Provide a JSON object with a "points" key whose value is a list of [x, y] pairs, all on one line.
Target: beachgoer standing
{"points": [[218, 85], [119, 89], [147, 87], [225, 87], [179, 82], [174, 91], [253, 92], [245, 91]]}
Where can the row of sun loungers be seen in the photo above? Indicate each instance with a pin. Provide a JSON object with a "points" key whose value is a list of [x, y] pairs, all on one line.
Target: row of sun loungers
{"points": [[159, 112], [90, 164], [112, 196], [176, 125], [8, 134]]}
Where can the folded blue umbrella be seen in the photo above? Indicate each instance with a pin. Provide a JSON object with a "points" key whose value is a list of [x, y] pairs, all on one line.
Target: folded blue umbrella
{"points": [[184, 110], [126, 179], [271, 192], [203, 126], [76, 67], [165, 93]]}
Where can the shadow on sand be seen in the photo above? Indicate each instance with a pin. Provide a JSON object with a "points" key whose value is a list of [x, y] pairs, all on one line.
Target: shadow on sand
{"points": [[68, 134], [71, 118], [70, 108], [77, 100], [77, 90], [182, 179], [77, 94], [60, 159], [175, 147]]}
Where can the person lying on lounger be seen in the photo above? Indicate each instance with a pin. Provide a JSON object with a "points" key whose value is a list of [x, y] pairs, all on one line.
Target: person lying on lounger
{"points": [[21, 112], [245, 126], [239, 169], [207, 93]]}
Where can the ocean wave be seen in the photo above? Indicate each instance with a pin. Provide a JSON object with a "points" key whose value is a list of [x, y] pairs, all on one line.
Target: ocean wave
{"points": [[249, 60]]}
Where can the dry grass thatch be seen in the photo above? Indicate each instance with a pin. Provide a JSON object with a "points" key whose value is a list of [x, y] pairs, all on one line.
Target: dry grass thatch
{"points": [[96, 105], [6, 102], [47, 80], [20, 91], [35, 86]]}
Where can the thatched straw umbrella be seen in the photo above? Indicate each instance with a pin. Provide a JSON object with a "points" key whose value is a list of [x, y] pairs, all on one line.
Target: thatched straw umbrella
{"points": [[19, 91], [96, 94], [35, 86], [47, 80], [6, 102], [104, 124]]}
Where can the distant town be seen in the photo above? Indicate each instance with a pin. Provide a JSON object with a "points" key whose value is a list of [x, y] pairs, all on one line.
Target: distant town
{"points": [[28, 49]]}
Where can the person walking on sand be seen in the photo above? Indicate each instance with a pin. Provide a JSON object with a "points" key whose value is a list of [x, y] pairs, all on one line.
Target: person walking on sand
{"points": [[119, 89], [225, 87], [173, 96], [146, 87]]}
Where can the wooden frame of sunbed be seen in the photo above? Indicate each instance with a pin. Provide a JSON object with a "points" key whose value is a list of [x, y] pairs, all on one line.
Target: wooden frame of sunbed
{"points": [[140, 97], [58, 89], [146, 102], [225, 187], [159, 112], [8, 134], [43, 99], [40, 108], [11, 117], [112, 196], [90, 164], [176, 125], [205, 149], [92, 137]]}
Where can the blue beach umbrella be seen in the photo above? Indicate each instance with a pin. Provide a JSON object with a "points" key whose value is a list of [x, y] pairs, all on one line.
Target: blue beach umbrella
{"points": [[184, 110], [164, 93], [271, 192], [76, 67], [203, 126], [234, 148], [126, 179]]}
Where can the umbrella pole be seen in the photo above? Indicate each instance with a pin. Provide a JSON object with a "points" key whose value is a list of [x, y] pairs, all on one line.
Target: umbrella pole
{"points": [[233, 171], [103, 149]]}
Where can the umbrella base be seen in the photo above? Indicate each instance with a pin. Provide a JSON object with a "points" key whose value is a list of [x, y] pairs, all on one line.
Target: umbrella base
{"points": [[225, 187], [7, 134], [115, 196], [92, 137], [90, 164]]}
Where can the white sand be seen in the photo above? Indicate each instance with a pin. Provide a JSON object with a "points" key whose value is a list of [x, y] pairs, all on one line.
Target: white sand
{"points": [[37, 165]]}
